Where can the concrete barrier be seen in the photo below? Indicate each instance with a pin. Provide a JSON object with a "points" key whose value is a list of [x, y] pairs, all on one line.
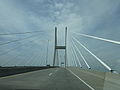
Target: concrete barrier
{"points": [[112, 81]]}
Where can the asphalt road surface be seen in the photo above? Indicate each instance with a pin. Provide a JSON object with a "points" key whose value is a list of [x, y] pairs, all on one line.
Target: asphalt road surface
{"points": [[49, 79]]}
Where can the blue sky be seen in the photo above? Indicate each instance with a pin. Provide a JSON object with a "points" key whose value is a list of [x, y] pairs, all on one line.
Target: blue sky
{"points": [[100, 18]]}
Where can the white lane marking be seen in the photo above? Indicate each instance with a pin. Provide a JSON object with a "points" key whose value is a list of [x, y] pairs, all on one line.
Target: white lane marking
{"points": [[56, 70], [50, 74], [81, 80], [53, 73]]}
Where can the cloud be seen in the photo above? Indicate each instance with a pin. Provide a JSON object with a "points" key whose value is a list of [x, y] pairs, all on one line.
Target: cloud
{"points": [[93, 17]]}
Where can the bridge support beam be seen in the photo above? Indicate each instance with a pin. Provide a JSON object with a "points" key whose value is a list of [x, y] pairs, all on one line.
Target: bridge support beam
{"points": [[60, 47]]}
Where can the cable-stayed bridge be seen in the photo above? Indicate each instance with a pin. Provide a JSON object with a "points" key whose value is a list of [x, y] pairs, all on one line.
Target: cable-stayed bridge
{"points": [[68, 68]]}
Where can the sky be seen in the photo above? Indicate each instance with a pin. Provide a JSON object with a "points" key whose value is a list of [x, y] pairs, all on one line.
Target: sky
{"points": [[98, 18]]}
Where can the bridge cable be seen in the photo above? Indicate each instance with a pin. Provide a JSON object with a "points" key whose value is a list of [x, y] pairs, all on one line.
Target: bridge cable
{"points": [[8, 61], [81, 56], [31, 59], [42, 59], [16, 40], [14, 59], [98, 59], [76, 56], [13, 48], [16, 55], [4, 34], [73, 58], [98, 38]]}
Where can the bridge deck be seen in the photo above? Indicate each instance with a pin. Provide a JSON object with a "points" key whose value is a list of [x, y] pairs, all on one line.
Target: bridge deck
{"points": [[54, 79]]}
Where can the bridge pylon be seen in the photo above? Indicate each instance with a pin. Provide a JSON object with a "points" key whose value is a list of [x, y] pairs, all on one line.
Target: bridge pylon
{"points": [[58, 47]]}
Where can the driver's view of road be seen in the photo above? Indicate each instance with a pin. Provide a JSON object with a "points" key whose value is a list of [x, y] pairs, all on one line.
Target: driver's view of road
{"points": [[59, 45]]}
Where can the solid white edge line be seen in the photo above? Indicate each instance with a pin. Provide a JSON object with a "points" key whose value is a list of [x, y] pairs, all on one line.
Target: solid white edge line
{"points": [[81, 80]]}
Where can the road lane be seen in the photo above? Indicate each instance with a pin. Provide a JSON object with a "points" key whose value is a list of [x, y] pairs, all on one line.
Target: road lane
{"points": [[93, 78], [49, 79], [30, 80], [64, 80], [82, 80]]}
